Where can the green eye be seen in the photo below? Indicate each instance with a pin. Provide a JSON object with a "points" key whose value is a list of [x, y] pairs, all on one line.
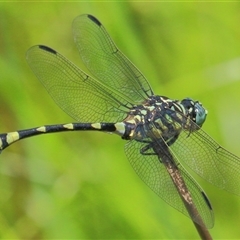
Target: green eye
{"points": [[201, 114]]}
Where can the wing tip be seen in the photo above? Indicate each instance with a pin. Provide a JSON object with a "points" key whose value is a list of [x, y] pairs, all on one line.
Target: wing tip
{"points": [[48, 49], [95, 20], [207, 200]]}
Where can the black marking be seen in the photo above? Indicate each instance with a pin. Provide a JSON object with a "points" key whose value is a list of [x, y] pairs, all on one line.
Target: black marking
{"points": [[48, 49], [94, 20], [207, 200], [108, 127], [4, 143]]}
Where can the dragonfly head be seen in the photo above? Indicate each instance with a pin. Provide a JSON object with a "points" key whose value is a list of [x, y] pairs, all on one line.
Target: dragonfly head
{"points": [[194, 110]]}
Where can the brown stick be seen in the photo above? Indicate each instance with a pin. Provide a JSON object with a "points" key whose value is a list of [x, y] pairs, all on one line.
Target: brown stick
{"points": [[187, 200], [166, 158]]}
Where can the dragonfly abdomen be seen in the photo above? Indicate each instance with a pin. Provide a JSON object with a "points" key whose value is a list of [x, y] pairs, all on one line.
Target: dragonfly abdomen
{"points": [[8, 138]]}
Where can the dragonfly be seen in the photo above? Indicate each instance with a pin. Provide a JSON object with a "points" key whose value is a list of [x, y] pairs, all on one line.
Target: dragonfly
{"points": [[118, 99]]}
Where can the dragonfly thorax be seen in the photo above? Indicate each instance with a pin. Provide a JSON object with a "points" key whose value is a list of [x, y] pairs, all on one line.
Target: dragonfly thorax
{"points": [[160, 116]]}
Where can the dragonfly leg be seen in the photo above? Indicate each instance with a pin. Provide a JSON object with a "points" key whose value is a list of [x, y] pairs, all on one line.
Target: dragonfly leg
{"points": [[172, 140], [147, 147]]}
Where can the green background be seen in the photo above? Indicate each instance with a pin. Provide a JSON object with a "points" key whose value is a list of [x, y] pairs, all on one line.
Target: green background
{"points": [[80, 185]]}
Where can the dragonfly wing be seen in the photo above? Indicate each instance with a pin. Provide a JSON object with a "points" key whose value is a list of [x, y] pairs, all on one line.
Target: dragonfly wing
{"points": [[106, 62], [209, 160], [153, 172], [78, 94]]}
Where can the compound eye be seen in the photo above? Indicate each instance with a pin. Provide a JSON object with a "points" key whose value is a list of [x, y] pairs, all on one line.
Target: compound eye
{"points": [[195, 110], [201, 114]]}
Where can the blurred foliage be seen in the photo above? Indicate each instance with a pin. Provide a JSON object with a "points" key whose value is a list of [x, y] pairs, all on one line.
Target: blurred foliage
{"points": [[80, 185]]}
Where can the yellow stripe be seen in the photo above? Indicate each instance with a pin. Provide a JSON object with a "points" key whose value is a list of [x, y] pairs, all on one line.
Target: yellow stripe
{"points": [[143, 112], [41, 129], [68, 126], [12, 137], [96, 125], [120, 128]]}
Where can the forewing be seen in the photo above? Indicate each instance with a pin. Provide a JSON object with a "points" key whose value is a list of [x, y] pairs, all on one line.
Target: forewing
{"points": [[78, 94], [106, 62]]}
